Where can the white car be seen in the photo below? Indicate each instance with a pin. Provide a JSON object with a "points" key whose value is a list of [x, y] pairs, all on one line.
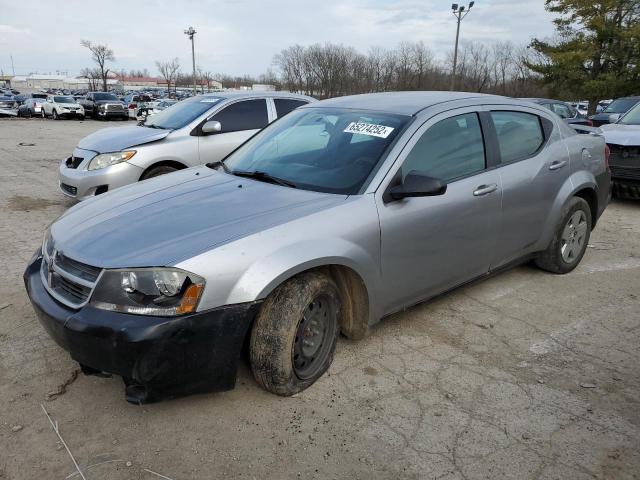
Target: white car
{"points": [[59, 106]]}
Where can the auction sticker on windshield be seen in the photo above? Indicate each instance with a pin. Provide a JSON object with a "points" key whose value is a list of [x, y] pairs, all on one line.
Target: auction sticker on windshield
{"points": [[369, 129]]}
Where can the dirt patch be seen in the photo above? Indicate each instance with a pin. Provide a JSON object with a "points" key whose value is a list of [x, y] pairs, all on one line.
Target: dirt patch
{"points": [[24, 203]]}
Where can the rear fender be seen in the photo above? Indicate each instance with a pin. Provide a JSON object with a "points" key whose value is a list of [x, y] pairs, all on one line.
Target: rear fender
{"points": [[576, 182]]}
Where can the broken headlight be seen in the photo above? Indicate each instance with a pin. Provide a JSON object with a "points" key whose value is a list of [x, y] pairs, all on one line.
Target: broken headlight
{"points": [[164, 292]]}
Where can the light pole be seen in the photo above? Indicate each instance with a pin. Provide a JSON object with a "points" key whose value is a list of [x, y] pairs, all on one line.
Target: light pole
{"points": [[190, 32], [459, 12]]}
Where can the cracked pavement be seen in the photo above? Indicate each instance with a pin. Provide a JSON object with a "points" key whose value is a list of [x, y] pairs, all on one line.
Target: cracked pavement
{"points": [[526, 375]]}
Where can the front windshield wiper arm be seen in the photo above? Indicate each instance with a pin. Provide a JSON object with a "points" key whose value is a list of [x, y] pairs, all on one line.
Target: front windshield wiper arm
{"points": [[217, 164], [152, 126], [264, 176]]}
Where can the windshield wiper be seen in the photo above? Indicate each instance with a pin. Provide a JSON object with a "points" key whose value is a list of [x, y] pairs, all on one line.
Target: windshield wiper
{"points": [[152, 126], [218, 164], [264, 176]]}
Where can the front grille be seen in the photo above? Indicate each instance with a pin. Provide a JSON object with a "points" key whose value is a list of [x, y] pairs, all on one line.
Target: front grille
{"points": [[87, 272], [74, 162], [113, 107], [67, 280], [628, 173], [69, 189]]}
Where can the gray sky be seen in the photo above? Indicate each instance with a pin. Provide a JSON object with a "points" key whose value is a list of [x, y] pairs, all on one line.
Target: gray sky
{"points": [[242, 36]]}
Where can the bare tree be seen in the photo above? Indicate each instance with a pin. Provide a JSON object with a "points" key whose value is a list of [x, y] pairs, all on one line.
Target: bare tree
{"points": [[170, 71], [93, 75], [101, 54]]}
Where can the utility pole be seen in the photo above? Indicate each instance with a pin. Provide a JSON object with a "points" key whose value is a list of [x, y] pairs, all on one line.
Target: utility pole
{"points": [[190, 32], [459, 12], [12, 67]]}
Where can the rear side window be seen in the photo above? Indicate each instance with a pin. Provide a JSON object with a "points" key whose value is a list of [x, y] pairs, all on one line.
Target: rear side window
{"points": [[245, 115], [520, 135], [450, 149], [562, 110], [285, 105]]}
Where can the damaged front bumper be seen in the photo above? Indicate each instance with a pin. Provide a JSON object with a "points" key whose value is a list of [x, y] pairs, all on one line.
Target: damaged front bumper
{"points": [[158, 357]]}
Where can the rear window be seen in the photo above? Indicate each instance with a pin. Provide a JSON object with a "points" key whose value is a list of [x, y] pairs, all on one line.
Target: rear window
{"points": [[285, 105], [244, 115], [520, 135], [621, 105]]}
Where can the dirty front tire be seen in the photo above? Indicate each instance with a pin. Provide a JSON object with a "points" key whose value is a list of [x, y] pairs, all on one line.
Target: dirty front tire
{"points": [[157, 171], [295, 334], [569, 240]]}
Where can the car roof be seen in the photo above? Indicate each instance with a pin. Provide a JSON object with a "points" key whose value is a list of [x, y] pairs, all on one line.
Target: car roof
{"points": [[402, 103], [254, 93], [541, 100]]}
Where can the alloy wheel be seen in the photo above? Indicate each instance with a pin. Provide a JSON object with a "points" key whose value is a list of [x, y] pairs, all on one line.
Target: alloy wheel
{"points": [[573, 236]]}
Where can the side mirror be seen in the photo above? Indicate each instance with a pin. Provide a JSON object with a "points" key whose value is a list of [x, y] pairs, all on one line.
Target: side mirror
{"points": [[417, 185], [211, 127]]}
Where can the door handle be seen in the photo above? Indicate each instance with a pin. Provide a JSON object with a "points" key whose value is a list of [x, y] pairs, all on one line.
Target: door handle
{"points": [[555, 165], [485, 189]]}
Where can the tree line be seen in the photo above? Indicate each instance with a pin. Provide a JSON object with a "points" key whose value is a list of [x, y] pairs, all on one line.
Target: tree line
{"points": [[595, 54]]}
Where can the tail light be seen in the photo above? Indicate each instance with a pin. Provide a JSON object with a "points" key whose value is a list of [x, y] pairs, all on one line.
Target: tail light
{"points": [[607, 153], [132, 106], [589, 122]]}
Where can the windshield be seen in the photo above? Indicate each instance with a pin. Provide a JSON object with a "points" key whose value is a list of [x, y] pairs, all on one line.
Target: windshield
{"points": [[63, 100], [322, 149], [182, 113], [104, 96], [632, 117], [620, 105]]}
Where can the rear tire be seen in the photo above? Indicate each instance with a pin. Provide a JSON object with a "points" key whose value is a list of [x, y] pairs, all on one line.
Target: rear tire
{"points": [[42, 114], [295, 334], [570, 239], [157, 171]]}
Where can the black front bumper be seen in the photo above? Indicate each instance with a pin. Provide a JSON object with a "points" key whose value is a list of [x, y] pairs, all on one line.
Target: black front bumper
{"points": [[162, 357]]}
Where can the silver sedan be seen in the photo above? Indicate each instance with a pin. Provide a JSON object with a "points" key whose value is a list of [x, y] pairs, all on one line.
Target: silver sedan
{"points": [[343, 212]]}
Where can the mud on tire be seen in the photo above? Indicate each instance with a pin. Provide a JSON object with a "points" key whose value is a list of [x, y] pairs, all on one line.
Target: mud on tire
{"points": [[277, 349]]}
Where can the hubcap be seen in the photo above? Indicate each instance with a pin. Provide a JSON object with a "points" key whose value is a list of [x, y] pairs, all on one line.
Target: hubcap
{"points": [[573, 236], [312, 343]]}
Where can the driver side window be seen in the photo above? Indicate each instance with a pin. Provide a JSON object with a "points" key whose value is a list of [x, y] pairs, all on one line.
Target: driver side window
{"points": [[448, 150], [244, 115]]}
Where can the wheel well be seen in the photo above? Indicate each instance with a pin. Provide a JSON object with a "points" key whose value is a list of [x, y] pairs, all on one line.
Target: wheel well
{"points": [[589, 195], [164, 163]]}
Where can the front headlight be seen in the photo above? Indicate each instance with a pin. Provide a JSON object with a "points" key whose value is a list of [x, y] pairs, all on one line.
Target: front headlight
{"points": [[164, 292], [107, 159]]}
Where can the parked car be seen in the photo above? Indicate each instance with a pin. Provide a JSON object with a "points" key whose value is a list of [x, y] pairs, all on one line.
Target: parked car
{"points": [[623, 139], [203, 129], [61, 106], [8, 102], [614, 110], [102, 105], [161, 105], [136, 104], [564, 110], [31, 107], [339, 214]]}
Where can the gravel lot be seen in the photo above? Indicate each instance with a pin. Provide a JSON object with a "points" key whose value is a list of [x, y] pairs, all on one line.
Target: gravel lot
{"points": [[524, 376]]}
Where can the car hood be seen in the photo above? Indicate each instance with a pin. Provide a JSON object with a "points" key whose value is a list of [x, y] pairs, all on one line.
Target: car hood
{"points": [[70, 105], [174, 217], [115, 139], [620, 134]]}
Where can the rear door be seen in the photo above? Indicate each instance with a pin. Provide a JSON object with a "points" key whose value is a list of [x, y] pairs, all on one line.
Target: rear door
{"points": [[533, 165], [239, 120]]}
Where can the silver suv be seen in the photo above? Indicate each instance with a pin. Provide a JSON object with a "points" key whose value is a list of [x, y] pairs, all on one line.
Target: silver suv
{"points": [[202, 129], [343, 212]]}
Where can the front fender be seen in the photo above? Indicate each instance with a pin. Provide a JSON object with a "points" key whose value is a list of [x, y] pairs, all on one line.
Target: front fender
{"points": [[262, 277], [577, 181]]}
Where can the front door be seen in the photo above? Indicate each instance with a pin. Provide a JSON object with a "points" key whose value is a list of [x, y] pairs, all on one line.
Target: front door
{"points": [[431, 244], [239, 120]]}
